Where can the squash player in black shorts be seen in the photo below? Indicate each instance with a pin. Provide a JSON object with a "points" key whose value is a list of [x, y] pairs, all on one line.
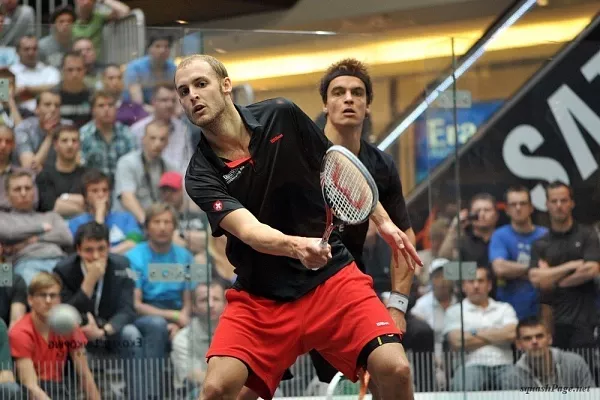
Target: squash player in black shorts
{"points": [[347, 94]]}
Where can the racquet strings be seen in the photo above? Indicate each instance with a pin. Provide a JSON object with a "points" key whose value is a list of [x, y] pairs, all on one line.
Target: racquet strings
{"points": [[346, 189]]}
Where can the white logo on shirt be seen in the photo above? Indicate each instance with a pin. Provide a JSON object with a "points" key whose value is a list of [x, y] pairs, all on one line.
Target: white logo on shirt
{"points": [[233, 174], [384, 323]]}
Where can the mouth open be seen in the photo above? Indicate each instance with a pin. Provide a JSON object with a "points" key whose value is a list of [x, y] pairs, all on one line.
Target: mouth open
{"points": [[348, 111], [198, 108]]}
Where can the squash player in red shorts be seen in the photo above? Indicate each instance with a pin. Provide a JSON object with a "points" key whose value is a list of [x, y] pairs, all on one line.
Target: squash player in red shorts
{"points": [[256, 175], [347, 93]]}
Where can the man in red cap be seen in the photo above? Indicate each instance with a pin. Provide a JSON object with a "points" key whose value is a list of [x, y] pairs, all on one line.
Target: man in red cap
{"points": [[192, 221]]}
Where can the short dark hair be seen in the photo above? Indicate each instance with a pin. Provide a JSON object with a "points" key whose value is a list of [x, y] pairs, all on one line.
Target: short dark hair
{"points": [[158, 37], [25, 37], [62, 10], [101, 94], [489, 274], [91, 177], [350, 67], [67, 127], [517, 189], [53, 92], [559, 184], [110, 65], [482, 196], [91, 231], [72, 54], [529, 322], [15, 175], [162, 85]]}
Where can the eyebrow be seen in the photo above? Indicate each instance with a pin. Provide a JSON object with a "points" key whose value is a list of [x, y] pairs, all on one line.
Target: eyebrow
{"points": [[203, 77]]}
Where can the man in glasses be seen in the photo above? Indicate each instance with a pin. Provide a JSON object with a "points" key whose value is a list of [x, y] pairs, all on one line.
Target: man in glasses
{"points": [[40, 354], [510, 253]]}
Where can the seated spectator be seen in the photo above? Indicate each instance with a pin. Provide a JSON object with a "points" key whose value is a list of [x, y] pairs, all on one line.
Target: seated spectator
{"points": [[193, 222], [564, 264], [100, 286], [18, 22], [432, 306], [74, 93], [40, 354], [34, 241], [510, 254], [489, 329], [60, 40], [32, 76], [191, 343], [144, 74], [124, 231], [35, 134], [543, 365], [139, 172], [8, 54], [60, 184], [477, 225], [90, 20], [179, 148], [164, 308], [128, 113], [11, 114], [103, 139], [437, 233], [8, 166], [13, 300], [93, 68], [9, 389]]}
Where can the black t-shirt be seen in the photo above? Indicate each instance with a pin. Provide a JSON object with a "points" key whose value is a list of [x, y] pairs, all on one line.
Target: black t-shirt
{"points": [[52, 183], [577, 304], [280, 186], [474, 248], [384, 172], [17, 293], [76, 107]]}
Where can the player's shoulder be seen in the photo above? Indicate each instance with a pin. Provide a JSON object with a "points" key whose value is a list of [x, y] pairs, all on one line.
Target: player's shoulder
{"points": [[270, 107], [371, 154]]}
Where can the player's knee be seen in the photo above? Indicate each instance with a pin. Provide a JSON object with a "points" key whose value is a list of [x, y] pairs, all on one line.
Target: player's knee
{"points": [[213, 390], [397, 371]]}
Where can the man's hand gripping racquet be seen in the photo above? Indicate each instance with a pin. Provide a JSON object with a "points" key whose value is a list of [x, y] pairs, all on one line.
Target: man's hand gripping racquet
{"points": [[349, 191]]}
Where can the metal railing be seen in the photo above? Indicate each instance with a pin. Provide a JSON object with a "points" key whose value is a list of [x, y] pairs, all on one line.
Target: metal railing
{"points": [[434, 378], [124, 39]]}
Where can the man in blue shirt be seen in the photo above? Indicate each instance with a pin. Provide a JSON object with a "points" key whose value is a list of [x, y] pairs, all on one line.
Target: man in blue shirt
{"points": [[510, 252], [143, 74], [124, 231], [164, 307]]}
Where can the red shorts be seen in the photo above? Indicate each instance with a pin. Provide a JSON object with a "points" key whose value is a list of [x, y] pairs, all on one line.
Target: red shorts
{"points": [[337, 319]]}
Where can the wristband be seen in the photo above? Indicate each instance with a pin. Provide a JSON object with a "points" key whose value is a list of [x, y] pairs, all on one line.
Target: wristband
{"points": [[398, 301], [176, 316]]}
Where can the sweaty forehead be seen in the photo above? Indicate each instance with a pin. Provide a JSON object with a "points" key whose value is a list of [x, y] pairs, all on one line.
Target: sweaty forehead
{"points": [[346, 82], [192, 70]]}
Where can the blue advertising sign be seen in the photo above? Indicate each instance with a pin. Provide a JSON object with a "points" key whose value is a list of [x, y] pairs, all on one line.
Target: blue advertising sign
{"points": [[435, 135]]}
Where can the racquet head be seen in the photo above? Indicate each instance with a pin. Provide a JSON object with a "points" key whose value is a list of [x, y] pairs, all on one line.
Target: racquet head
{"points": [[349, 190]]}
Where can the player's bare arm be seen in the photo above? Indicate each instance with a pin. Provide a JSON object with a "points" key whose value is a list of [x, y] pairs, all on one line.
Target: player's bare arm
{"points": [[261, 237]]}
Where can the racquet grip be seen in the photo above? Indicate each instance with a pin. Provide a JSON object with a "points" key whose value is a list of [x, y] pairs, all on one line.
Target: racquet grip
{"points": [[325, 238]]}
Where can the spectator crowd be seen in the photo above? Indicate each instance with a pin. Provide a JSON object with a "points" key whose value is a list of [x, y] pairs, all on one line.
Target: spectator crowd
{"points": [[92, 158]]}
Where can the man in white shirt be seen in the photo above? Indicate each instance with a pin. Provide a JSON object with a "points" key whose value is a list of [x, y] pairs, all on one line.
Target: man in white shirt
{"points": [[32, 76], [179, 150], [432, 306], [489, 329]]}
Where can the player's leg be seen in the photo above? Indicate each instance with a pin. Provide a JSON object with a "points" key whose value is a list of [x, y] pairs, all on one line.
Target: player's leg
{"points": [[390, 372], [224, 379], [247, 394], [353, 330], [255, 341]]}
